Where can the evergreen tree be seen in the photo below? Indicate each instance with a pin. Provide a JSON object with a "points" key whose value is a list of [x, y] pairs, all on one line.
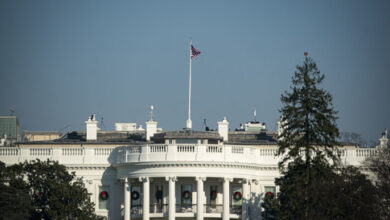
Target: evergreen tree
{"points": [[308, 118], [333, 193], [270, 207], [307, 141]]}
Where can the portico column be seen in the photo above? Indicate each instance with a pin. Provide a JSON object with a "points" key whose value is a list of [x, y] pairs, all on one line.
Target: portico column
{"points": [[172, 198], [145, 205], [245, 199], [226, 198], [126, 198], [200, 196]]}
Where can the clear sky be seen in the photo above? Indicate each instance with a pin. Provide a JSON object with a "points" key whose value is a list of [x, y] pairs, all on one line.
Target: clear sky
{"points": [[61, 61]]}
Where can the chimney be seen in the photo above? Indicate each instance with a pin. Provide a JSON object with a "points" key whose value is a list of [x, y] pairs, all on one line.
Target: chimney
{"points": [[92, 128], [223, 129], [383, 141], [151, 125], [151, 129]]}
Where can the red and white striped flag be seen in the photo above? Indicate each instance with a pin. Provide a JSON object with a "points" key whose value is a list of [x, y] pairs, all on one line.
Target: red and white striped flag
{"points": [[194, 52]]}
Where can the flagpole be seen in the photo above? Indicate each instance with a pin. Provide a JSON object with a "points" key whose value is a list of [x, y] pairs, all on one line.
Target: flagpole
{"points": [[189, 122]]}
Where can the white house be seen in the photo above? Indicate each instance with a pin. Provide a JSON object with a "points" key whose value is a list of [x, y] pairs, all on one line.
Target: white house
{"points": [[186, 174]]}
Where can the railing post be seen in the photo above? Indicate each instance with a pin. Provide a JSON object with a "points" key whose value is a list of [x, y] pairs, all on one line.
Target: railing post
{"points": [[227, 152], [171, 154], [145, 152], [88, 155], [201, 151]]}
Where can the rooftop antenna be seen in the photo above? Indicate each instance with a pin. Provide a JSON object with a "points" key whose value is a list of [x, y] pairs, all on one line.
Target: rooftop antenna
{"points": [[254, 114], [12, 112], [151, 112], [204, 126], [102, 123]]}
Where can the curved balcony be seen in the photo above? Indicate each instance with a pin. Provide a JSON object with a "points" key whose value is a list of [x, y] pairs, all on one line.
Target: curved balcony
{"points": [[196, 153], [257, 155]]}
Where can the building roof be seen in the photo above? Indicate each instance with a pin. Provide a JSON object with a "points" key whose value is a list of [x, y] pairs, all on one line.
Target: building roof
{"points": [[253, 138], [41, 132], [188, 134], [103, 137]]}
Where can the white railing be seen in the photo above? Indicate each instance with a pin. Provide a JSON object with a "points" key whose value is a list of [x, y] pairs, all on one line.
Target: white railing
{"points": [[64, 155], [186, 148], [7, 151], [72, 151], [261, 155], [103, 151], [158, 148], [268, 152], [214, 149], [237, 150], [40, 152], [133, 149]]}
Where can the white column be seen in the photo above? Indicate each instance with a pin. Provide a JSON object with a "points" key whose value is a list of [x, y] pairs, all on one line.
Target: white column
{"points": [[200, 196], [172, 197], [126, 198], [245, 199], [146, 203], [226, 198]]}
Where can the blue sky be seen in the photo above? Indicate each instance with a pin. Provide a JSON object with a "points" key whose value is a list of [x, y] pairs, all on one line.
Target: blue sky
{"points": [[61, 61]]}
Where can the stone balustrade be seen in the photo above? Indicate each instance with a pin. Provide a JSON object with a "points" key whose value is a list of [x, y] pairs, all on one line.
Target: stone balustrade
{"points": [[260, 155]]}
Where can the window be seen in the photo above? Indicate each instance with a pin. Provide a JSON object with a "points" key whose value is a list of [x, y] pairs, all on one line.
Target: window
{"points": [[135, 196], [237, 196], [104, 197], [269, 190], [159, 194], [186, 195], [213, 195]]}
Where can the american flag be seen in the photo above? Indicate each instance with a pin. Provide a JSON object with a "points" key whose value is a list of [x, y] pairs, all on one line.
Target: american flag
{"points": [[194, 52]]}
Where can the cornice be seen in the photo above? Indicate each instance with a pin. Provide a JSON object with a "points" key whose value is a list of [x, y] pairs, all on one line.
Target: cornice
{"points": [[88, 166], [196, 164]]}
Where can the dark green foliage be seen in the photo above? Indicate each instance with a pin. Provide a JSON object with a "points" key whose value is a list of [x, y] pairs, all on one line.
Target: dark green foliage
{"points": [[53, 192], [308, 118], [270, 208], [342, 193], [310, 186], [15, 202], [379, 165]]}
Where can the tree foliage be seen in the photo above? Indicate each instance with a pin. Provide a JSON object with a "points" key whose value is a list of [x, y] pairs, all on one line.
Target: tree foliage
{"points": [[308, 118], [310, 186], [379, 165], [342, 193], [15, 202], [51, 191]]}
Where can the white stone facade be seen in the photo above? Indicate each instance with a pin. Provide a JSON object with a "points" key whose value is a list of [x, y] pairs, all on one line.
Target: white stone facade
{"points": [[173, 181]]}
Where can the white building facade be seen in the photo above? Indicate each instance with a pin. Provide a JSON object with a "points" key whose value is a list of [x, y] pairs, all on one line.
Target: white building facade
{"points": [[170, 175]]}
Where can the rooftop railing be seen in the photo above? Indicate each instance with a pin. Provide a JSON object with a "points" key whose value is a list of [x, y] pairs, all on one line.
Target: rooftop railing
{"points": [[258, 155]]}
